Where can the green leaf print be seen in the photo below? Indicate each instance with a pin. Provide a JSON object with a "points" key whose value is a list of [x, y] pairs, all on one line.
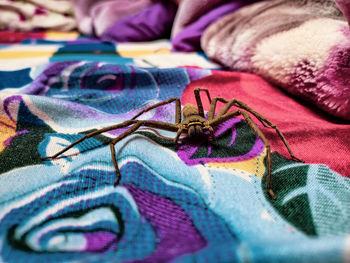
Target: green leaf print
{"points": [[312, 197], [22, 150]]}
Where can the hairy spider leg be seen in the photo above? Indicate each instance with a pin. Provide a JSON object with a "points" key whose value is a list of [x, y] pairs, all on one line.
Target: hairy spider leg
{"points": [[262, 119], [177, 109], [137, 124], [228, 105], [178, 133], [113, 143], [183, 128], [118, 126], [211, 131], [255, 128], [223, 116], [199, 101], [177, 113], [89, 135]]}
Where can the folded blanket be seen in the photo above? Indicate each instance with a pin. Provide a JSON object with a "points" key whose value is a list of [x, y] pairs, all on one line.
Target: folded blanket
{"points": [[36, 14], [344, 6], [194, 16], [95, 16], [302, 46], [123, 20], [144, 20], [151, 23]]}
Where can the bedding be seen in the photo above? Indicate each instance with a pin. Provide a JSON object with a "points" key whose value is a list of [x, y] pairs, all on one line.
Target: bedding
{"points": [[302, 46], [194, 16], [124, 20], [192, 202], [37, 14]]}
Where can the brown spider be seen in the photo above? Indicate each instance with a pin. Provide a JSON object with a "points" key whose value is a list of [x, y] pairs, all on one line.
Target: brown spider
{"points": [[194, 125]]}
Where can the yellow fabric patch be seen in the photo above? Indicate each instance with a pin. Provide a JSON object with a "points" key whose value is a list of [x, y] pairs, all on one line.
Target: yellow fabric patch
{"points": [[15, 54], [254, 166], [64, 36], [138, 53], [7, 130]]}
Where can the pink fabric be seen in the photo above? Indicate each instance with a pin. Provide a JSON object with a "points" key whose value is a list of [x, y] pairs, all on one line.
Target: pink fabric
{"points": [[145, 20], [151, 23], [344, 6], [35, 15], [192, 20], [307, 130], [191, 10], [95, 16]]}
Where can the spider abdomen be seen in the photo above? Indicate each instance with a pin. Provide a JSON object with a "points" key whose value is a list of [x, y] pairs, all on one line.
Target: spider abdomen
{"points": [[189, 110]]}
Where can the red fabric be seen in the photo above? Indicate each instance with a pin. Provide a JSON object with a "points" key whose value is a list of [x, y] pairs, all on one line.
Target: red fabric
{"points": [[10, 37], [312, 136]]}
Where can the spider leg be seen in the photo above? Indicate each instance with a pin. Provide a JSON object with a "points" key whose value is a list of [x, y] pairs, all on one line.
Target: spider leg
{"points": [[91, 134], [229, 104], [138, 124], [199, 101], [113, 143], [213, 107], [178, 133], [177, 109], [121, 125], [268, 123], [211, 131], [256, 129], [262, 119], [216, 121]]}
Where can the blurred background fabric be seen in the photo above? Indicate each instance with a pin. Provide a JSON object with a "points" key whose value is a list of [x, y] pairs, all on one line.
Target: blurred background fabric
{"points": [[37, 14]]}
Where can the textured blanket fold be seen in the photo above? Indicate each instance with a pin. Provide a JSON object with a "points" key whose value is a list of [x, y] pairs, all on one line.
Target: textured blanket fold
{"points": [[145, 20], [36, 14], [151, 23], [123, 20], [344, 6], [302, 46], [194, 16]]}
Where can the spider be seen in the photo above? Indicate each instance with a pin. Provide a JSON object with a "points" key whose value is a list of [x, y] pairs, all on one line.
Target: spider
{"points": [[194, 125]]}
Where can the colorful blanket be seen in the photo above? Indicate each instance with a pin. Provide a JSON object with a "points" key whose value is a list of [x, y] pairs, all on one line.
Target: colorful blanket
{"points": [[191, 202]]}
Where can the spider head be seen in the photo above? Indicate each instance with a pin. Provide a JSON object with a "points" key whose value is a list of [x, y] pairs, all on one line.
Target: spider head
{"points": [[195, 131], [193, 122]]}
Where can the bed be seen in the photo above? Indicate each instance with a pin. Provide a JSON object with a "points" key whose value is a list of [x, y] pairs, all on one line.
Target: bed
{"points": [[101, 63]]}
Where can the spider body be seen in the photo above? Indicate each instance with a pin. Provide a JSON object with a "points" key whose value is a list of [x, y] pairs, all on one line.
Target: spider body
{"points": [[194, 125]]}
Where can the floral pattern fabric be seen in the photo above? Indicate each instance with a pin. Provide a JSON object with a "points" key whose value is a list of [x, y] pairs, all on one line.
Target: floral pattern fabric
{"points": [[202, 202]]}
